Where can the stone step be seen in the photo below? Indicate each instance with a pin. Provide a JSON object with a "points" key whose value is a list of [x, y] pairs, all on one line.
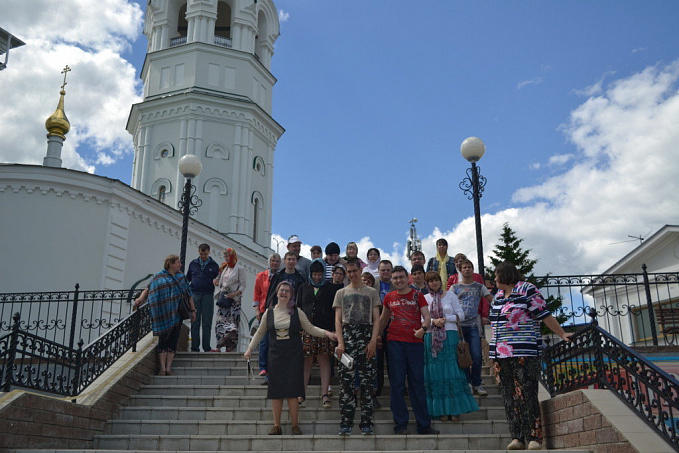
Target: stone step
{"points": [[272, 451], [248, 390], [241, 379], [259, 428], [312, 402], [355, 442], [210, 359], [224, 414]]}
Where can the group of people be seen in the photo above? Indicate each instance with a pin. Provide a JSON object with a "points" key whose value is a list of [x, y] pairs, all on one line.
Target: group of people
{"points": [[319, 309], [169, 286]]}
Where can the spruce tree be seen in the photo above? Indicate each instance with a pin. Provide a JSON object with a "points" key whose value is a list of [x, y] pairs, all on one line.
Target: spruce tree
{"points": [[510, 250]]}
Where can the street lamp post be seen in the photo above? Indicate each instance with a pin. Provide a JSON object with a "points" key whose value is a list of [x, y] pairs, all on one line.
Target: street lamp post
{"points": [[189, 166], [473, 150], [278, 243]]}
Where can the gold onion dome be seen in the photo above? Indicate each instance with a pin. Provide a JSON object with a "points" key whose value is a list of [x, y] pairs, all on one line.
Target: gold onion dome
{"points": [[58, 124]]}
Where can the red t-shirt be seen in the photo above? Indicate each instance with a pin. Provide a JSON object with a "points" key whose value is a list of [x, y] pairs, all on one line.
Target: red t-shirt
{"points": [[405, 315]]}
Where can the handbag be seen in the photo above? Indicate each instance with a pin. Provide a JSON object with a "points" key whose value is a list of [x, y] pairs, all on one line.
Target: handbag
{"points": [[184, 308], [464, 355], [224, 302]]}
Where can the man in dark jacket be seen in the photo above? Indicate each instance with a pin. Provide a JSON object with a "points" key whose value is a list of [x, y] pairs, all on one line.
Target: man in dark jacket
{"points": [[202, 271]]}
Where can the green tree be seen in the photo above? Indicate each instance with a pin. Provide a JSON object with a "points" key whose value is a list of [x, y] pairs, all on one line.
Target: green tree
{"points": [[510, 250]]}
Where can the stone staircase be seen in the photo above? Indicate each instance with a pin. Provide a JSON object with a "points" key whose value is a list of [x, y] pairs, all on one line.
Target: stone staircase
{"points": [[211, 405]]}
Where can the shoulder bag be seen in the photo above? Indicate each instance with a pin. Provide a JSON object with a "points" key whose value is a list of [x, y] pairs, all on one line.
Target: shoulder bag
{"points": [[464, 356]]}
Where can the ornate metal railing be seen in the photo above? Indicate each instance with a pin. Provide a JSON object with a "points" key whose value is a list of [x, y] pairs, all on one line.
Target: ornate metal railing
{"points": [[38, 331], [596, 358], [65, 317], [639, 309], [31, 361]]}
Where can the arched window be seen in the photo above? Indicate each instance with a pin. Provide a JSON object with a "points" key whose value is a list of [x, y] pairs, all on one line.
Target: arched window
{"points": [[162, 190], [257, 206], [255, 221], [262, 32], [223, 23], [258, 165], [182, 23], [163, 150]]}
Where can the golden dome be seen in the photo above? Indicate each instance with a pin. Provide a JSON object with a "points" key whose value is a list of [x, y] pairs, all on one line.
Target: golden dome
{"points": [[58, 124]]}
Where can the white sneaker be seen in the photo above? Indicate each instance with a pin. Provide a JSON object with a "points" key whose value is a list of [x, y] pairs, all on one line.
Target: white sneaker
{"points": [[516, 444], [479, 390], [534, 445]]}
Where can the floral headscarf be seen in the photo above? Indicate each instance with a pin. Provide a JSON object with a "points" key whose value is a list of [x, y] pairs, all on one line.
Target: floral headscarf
{"points": [[230, 259]]}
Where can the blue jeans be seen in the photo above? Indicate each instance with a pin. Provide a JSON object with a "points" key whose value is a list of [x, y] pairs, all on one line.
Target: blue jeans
{"points": [[264, 353], [471, 336], [407, 359], [205, 309]]}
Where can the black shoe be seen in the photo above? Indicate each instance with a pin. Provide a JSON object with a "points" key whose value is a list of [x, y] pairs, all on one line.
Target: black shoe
{"points": [[401, 431], [429, 430]]}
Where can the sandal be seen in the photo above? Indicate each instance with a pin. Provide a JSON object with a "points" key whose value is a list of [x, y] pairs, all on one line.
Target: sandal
{"points": [[296, 431], [326, 402], [275, 431], [301, 400]]}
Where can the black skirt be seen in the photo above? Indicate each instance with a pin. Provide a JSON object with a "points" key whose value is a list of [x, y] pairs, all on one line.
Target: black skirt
{"points": [[286, 360]]}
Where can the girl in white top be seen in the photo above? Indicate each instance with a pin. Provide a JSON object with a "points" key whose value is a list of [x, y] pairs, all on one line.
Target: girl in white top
{"points": [[448, 394]]}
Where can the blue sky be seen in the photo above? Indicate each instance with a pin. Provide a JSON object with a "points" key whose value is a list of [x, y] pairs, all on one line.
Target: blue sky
{"points": [[377, 96]]}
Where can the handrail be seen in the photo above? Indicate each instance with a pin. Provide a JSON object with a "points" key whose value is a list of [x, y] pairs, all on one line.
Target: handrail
{"points": [[30, 361], [594, 357]]}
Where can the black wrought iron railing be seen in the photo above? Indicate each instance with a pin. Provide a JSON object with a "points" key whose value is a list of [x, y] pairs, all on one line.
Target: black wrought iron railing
{"points": [[596, 358], [639, 309], [30, 361], [65, 317], [37, 349]]}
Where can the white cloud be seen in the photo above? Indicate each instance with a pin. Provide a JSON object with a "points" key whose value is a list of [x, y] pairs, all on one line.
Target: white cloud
{"points": [[535, 81], [623, 179], [535, 166], [559, 159], [283, 16], [595, 89], [100, 89], [639, 49]]}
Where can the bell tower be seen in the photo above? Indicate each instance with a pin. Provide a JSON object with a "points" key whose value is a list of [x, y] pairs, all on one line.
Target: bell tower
{"points": [[207, 91]]}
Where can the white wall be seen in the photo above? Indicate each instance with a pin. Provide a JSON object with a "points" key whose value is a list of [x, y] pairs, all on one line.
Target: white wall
{"points": [[60, 227]]}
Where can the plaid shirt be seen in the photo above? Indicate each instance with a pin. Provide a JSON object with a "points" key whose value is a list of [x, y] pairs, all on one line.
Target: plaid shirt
{"points": [[165, 293]]}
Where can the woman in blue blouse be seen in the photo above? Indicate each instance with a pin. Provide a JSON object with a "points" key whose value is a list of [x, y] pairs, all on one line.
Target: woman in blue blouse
{"points": [[515, 316]]}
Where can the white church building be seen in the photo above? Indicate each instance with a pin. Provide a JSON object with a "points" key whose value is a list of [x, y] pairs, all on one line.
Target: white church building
{"points": [[207, 92]]}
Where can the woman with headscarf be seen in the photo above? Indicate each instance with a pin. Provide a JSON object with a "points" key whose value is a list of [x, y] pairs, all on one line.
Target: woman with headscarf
{"points": [[448, 394], [282, 324], [315, 299], [373, 262], [165, 293], [442, 263], [231, 283]]}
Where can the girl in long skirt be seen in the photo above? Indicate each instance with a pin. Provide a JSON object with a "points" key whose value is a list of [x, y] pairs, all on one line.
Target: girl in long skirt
{"points": [[448, 393]]}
